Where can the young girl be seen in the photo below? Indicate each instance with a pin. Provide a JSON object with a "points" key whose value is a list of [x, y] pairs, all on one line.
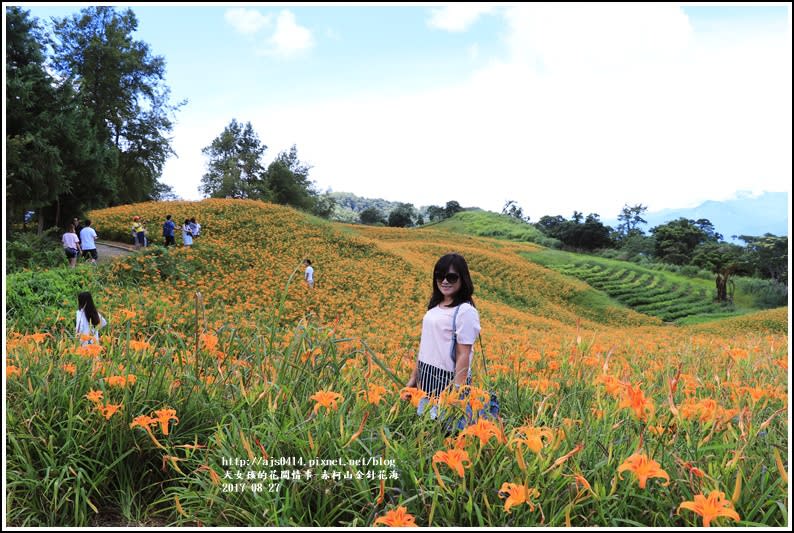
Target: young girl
{"points": [[308, 274], [88, 321], [451, 302], [187, 233], [71, 245]]}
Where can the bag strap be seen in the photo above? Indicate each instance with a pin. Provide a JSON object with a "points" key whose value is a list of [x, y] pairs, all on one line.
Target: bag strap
{"points": [[484, 363], [452, 352]]}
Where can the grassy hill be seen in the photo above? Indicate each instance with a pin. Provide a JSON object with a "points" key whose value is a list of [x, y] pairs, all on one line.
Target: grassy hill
{"points": [[217, 358], [665, 295], [657, 293], [488, 224]]}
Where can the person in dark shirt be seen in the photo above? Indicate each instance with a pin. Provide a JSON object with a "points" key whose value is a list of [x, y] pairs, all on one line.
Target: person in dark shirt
{"points": [[168, 231], [77, 227]]}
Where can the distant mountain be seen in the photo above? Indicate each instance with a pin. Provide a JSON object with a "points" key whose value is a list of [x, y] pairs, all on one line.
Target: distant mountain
{"points": [[745, 215], [348, 206]]}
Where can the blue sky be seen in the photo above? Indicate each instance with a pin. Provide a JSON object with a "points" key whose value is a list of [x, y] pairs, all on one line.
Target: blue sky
{"points": [[585, 107]]}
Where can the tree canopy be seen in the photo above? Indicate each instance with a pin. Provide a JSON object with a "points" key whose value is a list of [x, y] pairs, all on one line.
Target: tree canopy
{"points": [[87, 126], [235, 166]]}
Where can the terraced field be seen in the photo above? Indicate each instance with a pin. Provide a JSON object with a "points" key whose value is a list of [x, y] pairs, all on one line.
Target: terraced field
{"points": [[646, 291]]}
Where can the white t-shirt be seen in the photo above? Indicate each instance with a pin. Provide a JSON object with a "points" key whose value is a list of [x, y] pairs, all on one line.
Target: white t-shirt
{"points": [[83, 326], [187, 238], [87, 236], [309, 274], [436, 342], [70, 240]]}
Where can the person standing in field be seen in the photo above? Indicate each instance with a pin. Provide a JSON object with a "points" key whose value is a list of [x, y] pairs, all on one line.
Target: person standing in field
{"points": [[187, 233], [88, 242], [88, 321], [195, 227], [308, 274], [77, 227], [168, 231], [71, 245], [445, 353], [138, 234]]}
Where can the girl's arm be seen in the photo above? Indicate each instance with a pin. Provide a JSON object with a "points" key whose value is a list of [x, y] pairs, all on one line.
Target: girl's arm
{"points": [[412, 379], [462, 353]]}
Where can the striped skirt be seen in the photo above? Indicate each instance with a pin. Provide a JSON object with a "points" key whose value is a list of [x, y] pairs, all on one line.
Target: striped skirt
{"points": [[433, 380]]}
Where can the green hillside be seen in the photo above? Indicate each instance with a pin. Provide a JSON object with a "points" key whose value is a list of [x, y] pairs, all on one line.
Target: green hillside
{"points": [[665, 295], [490, 224]]}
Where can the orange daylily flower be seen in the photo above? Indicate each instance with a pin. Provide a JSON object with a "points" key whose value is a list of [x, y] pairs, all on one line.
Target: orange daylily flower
{"points": [[710, 507], [325, 399], [89, 350], [453, 458], [38, 338], [210, 342], [636, 400], [163, 416], [581, 481], [12, 370], [128, 315], [483, 430], [216, 479], [518, 494], [108, 410], [412, 393], [396, 518], [139, 346], [375, 394], [71, 369], [95, 396], [613, 385], [145, 422], [643, 468], [121, 381], [534, 437], [142, 421], [533, 440], [311, 355], [477, 398]]}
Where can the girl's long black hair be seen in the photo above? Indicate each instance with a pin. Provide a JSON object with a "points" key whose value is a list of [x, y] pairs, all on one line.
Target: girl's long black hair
{"points": [[466, 286], [86, 303]]}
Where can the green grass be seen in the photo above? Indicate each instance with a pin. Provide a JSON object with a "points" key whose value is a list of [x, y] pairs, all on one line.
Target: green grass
{"points": [[495, 225], [668, 296]]}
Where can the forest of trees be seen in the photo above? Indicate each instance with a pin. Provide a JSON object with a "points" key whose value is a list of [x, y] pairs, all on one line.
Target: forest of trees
{"points": [[87, 124], [236, 170]]}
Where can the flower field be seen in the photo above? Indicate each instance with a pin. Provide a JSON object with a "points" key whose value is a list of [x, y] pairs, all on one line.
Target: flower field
{"points": [[225, 392]]}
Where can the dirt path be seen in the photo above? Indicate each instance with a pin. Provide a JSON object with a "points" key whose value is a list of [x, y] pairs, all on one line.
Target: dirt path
{"points": [[108, 250]]}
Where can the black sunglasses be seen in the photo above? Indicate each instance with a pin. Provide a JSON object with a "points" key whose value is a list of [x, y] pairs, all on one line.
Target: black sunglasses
{"points": [[451, 277]]}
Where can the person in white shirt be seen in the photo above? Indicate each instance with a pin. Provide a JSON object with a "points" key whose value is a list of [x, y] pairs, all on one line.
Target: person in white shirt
{"points": [[71, 245], [88, 321], [187, 233], [88, 242], [195, 227], [309, 273], [445, 355]]}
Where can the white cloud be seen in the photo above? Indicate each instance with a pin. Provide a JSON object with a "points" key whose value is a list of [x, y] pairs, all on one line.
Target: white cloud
{"points": [[667, 120], [474, 51], [247, 21], [289, 38], [456, 18], [593, 37]]}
